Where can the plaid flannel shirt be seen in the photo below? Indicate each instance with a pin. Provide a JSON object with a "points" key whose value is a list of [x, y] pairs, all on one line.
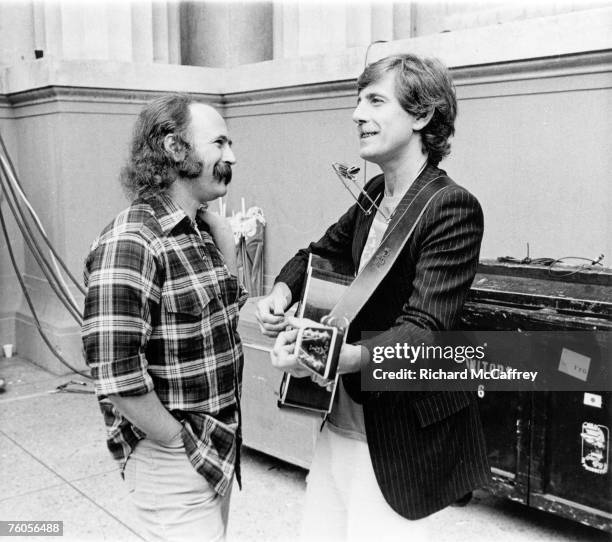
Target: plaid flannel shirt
{"points": [[161, 313]]}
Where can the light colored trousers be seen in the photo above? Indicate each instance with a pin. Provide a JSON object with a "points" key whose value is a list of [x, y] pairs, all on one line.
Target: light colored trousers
{"points": [[344, 502], [173, 502]]}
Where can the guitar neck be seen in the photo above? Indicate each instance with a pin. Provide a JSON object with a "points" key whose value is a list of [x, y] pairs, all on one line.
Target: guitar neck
{"points": [[323, 287]]}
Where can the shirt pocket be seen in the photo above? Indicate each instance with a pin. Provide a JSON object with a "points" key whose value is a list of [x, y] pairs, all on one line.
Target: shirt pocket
{"points": [[184, 329], [190, 302]]}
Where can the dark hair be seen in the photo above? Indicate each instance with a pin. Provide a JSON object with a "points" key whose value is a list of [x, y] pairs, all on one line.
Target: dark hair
{"points": [[150, 168], [422, 84]]}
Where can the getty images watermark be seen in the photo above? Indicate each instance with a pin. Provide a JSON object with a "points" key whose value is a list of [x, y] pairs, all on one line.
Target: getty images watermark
{"points": [[492, 360]]}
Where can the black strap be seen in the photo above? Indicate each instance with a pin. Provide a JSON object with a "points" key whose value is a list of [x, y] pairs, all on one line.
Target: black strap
{"points": [[401, 227]]}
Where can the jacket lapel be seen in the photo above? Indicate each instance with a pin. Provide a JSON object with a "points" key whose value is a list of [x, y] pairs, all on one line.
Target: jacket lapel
{"points": [[363, 223], [376, 188], [427, 175]]}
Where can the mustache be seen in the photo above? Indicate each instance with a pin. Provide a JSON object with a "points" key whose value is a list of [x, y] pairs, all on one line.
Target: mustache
{"points": [[223, 172]]}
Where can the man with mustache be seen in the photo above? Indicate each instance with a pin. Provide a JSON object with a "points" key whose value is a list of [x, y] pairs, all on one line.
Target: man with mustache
{"points": [[160, 318]]}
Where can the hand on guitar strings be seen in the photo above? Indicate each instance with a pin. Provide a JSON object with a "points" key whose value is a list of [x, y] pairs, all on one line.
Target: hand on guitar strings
{"points": [[290, 363], [284, 357], [270, 310], [283, 354], [352, 356]]}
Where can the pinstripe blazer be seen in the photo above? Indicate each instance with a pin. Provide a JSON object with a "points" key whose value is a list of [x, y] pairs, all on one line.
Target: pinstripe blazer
{"points": [[427, 448]]}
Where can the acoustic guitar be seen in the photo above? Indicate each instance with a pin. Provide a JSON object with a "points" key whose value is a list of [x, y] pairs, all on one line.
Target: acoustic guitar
{"points": [[318, 347]]}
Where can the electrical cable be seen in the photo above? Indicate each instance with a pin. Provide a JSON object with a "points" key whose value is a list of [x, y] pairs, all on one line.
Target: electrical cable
{"points": [[54, 277], [66, 296], [29, 301], [36, 220], [551, 262], [11, 179], [44, 265], [526, 261], [67, 301]]}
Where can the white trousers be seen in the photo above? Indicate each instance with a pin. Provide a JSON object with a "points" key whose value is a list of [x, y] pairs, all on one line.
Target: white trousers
{"points": [[344, 502], [173, 502]]}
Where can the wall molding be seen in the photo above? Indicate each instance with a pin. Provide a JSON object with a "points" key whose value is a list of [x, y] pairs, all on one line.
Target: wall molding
{"points": [[537, 68], [296, 93], [81, 99], [534, 75]]}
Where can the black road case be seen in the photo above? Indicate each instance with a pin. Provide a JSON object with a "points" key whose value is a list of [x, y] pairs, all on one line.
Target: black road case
{"points": [[549, 450]]}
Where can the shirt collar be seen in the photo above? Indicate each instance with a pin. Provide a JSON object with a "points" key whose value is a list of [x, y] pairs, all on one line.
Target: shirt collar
{"points": [[168, 213]]}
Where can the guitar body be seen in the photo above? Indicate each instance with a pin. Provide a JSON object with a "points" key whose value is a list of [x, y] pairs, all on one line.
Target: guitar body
{"points": [[325, 283]]}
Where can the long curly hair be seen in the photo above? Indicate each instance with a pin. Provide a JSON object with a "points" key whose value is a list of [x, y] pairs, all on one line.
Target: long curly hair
{"points": [[150, 168], [422, 85]]}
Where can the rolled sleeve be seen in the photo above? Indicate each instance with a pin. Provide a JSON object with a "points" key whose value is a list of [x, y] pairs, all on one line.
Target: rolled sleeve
{"points": [[243, 295], [125, 377], [122, 288]]}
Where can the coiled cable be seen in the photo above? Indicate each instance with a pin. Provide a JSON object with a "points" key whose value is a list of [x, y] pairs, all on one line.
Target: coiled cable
{"points": [[13, 191]]}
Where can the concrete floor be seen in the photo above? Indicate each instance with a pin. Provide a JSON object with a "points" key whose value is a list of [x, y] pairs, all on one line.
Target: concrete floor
{"points": [[54, 466]]}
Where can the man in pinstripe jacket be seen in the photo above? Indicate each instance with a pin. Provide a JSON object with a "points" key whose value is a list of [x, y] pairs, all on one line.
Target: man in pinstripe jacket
{"points": [[386, 461]]}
